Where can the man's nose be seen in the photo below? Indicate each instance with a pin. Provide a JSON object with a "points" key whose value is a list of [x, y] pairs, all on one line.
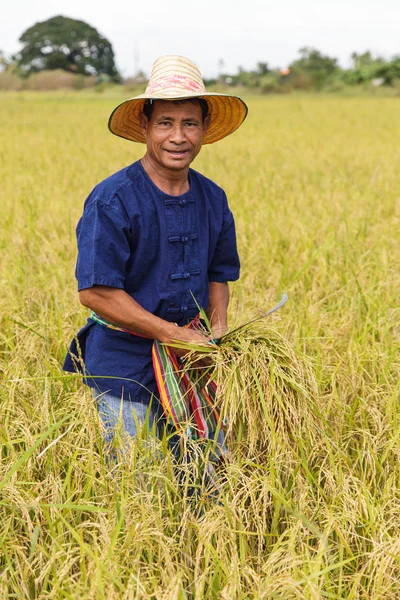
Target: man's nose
{"points": [[177, 134]]}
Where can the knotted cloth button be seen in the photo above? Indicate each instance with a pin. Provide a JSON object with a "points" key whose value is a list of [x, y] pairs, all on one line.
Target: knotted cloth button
{"points": [[183, 202], [186, 275], [185, 238], [183, 308]]}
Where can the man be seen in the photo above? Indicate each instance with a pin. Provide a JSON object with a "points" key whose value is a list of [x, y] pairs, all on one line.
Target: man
{"points": [[156, 241]]}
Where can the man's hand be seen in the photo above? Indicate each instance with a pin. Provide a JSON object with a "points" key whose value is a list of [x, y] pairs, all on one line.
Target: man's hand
{"points": [[188, 336], [218, 308]]}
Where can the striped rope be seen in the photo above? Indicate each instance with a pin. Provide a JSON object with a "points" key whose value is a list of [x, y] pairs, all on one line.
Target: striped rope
{"points": [[188, 400]]}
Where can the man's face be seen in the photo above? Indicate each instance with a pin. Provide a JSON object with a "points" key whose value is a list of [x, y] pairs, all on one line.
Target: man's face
{"points": [[174, 134]]}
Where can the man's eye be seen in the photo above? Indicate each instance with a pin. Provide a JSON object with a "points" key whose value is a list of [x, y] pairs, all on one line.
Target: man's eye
{"points": [[165, 123]]}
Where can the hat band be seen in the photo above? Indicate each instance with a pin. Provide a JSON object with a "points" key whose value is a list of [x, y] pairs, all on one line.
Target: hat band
{"points": [[179, 82]]}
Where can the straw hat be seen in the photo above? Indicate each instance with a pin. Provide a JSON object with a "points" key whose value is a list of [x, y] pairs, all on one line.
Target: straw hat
{"points": [[177, 78]]}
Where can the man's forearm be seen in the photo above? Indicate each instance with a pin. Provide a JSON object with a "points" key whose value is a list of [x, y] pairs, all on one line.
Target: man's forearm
{"points": [[217, 311], [116, 306]]}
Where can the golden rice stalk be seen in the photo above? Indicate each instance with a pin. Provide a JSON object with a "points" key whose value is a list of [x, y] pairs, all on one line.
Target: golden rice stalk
{"points": [[268, 394]]}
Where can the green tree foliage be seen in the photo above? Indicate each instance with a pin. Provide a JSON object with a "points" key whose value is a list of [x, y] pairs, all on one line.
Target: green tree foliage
{"points": [[262, 68], [393, 72], [263, 79], [316, 71], [68, 44], [4, 61], [366, 68], [314, 66]]}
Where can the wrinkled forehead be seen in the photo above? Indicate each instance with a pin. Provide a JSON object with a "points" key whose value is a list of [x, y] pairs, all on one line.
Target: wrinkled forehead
{"points": [[191, 106], [183, 101]]}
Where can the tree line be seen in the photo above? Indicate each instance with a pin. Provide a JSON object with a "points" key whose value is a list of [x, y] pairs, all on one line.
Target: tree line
{"points": [[70, 45], [313, 70]]}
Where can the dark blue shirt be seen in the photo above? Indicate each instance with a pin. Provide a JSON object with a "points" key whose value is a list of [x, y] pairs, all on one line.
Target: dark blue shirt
{"points": [[163, 251]]}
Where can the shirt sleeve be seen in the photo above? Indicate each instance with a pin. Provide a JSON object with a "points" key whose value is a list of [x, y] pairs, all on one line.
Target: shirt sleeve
{"points": [[103, 236], [225, 263]]}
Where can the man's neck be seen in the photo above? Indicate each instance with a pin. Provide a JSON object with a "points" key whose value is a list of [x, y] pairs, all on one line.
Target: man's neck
{"points": [[170, 182]]}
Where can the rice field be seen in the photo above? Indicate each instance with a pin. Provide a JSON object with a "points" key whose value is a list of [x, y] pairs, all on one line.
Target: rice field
{"points": [[309, 501]]}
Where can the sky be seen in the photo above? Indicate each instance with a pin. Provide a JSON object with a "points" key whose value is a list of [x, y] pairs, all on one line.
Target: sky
{"points": [[237, 32]]}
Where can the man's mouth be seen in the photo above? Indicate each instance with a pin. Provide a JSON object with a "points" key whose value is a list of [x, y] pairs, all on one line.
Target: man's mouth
{"points": [[177, 153]]}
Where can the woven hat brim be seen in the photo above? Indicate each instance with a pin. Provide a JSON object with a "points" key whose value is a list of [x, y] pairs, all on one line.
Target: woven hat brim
{"points": [[227, 114]]}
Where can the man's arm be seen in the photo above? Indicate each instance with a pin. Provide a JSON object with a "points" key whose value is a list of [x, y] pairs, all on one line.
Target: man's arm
{"points": [[218, 307], [116, 306]]}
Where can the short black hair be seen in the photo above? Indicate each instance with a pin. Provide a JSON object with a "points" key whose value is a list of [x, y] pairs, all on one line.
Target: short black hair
{"points": [[149, 106]]}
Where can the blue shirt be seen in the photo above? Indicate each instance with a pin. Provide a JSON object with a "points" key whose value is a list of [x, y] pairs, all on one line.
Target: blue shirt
{"points": [[163, 251]]}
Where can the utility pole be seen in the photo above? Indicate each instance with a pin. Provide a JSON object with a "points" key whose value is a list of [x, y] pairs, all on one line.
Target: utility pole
{"points": [[136, 60], [221, 66]]}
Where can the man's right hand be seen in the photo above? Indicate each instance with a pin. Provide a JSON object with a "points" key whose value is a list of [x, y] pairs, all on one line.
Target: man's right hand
{"points": [[188, 336]]}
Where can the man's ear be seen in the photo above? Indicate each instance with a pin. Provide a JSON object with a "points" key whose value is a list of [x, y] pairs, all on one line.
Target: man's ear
{"points": [[143, 122], [206, 123]]}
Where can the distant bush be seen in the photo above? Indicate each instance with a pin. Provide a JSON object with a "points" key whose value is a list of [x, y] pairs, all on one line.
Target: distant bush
{"points": [[396, 86], [45, 81], [57, 79], [79, 82], [131, 85], [334, 86], [10, 81], [303, 81], [270, 84]]}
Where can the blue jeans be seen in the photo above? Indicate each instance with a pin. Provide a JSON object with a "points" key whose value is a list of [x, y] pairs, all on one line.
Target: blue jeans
{"points": [[131, 415], [114, 410]]}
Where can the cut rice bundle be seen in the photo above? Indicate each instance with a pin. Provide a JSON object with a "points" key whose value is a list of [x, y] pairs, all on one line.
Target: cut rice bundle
{"points": [[268, 394]]}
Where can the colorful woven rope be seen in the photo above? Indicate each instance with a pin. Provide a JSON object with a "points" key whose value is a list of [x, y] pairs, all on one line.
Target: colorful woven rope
{"points": [[188, 399]]}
